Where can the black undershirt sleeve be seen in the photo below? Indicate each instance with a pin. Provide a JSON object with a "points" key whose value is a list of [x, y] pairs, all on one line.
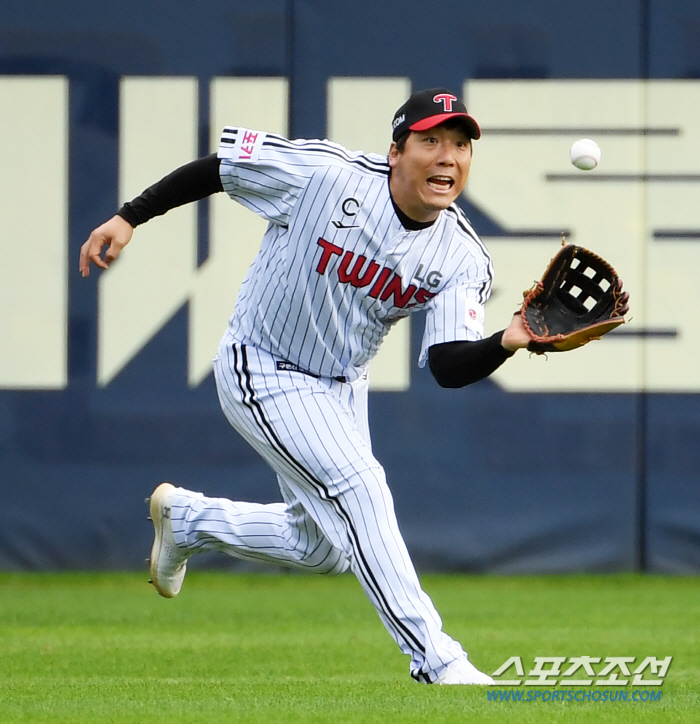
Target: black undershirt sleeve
{"points": [[457, 364], [191, 182]]}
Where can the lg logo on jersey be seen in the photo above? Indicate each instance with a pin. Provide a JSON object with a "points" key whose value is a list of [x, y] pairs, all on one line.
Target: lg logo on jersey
{"points": [[385, 283], [350, 208], [432, 278]]}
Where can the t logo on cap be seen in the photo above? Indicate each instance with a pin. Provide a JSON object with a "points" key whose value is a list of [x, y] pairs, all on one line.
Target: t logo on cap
{"points": [[447, 100]]}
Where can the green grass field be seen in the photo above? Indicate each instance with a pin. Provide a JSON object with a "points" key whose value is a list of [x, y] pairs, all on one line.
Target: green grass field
{"points": [[85, 648]]}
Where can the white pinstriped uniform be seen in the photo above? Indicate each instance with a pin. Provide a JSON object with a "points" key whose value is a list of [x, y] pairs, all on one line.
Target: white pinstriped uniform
{"points": [[336, 269]]}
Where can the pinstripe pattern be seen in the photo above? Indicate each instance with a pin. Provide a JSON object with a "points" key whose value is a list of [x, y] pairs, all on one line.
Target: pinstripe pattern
{"points": [[336, 269], [298, 300], [338, 510], [362, 568], [275, 533]]}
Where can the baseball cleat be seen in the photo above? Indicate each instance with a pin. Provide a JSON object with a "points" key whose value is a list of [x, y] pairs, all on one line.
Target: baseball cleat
{"points": [[168, 561], [462, 671]]}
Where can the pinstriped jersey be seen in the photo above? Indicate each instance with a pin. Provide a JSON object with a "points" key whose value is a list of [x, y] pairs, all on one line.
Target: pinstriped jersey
{"points": [[336, 268]]}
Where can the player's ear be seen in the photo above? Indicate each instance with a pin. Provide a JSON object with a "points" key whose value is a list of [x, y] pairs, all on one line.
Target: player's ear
{"points": [[394, 154]]}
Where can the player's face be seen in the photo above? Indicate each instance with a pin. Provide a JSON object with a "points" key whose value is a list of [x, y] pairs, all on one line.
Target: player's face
{"points": [[430, 172]]}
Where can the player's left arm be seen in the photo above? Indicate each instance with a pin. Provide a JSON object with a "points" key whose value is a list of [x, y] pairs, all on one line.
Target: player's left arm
{"points": [[457, 353], [461, 363]]}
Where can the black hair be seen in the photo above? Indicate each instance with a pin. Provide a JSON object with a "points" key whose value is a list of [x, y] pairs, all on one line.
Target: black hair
{"points": [[401, 141]]}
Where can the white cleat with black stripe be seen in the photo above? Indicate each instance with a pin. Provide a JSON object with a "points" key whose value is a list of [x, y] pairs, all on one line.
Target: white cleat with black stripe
{"points": [[462, 671], [168, 561]]}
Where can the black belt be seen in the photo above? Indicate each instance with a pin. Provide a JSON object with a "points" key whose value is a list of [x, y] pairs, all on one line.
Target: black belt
{"points": [[286, 366]]}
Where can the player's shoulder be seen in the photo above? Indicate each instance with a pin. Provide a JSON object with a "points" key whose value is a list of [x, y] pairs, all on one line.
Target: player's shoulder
{"points": [[300, 151], [463, 232], [458, 219], [333, 153]]}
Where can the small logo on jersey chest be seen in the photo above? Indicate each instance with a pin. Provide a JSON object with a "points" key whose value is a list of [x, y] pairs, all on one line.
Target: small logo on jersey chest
{"points": [[431, 279], [349, 207]]}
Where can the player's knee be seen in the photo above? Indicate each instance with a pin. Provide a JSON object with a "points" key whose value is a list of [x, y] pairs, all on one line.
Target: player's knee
{"points": [[334, 563], [372, 490]]}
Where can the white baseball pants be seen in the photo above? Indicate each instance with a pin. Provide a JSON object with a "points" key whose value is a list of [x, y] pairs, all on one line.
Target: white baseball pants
{"points": [[337, 513]]}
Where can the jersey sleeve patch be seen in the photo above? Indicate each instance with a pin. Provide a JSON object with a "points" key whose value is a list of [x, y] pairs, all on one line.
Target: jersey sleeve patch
{"points": [[474, 317], [454, 315], [241, 144]]}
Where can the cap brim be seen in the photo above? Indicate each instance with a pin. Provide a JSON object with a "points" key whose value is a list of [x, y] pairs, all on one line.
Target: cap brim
{"points": [[432, 121]]}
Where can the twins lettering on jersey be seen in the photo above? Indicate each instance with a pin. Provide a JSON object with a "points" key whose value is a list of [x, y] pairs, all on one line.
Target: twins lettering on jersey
{"points": [[384, 283]]}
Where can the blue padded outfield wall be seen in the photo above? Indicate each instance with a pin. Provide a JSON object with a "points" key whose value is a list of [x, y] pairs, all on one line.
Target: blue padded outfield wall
{"points": [[586, 461]]}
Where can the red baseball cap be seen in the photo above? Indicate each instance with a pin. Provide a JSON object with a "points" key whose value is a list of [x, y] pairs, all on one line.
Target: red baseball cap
{"points": [[429, 108]]}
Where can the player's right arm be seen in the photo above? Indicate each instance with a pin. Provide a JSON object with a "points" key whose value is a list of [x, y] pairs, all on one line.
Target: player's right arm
{"points": [[115, 234], [265, 173], [191, 182]]}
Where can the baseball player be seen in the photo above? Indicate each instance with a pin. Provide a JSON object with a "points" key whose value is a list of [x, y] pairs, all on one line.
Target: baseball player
{"points": [[354, 243]]}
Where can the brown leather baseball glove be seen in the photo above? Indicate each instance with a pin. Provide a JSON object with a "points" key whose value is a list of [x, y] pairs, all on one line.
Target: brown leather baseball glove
{"points": [[579, 298]]}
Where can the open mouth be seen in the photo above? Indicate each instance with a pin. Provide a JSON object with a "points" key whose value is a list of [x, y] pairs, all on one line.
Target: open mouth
{"points": [[441, 183]]}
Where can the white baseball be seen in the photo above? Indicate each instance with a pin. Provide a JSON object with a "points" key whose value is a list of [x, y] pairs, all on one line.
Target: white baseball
{"points": [[585, 154]]}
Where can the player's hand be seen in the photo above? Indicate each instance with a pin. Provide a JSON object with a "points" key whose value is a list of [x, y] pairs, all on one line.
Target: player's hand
{"points": [[516, 336], [115, 234]]}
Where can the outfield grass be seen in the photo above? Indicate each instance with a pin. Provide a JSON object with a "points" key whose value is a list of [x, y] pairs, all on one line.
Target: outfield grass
{"points": [[85, 648]]}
